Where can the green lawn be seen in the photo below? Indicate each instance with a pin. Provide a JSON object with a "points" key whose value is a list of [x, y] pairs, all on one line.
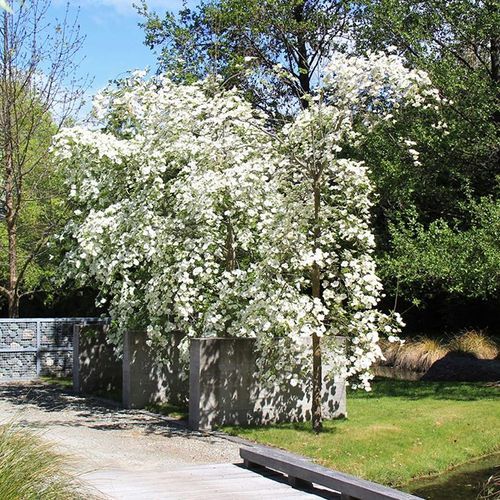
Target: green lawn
{"points": [[178, 412], [66, 382], [399, 431]]}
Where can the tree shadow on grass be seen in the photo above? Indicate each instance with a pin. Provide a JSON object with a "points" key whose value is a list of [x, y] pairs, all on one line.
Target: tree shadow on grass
{"points": [[423, 389], [303, 427]]}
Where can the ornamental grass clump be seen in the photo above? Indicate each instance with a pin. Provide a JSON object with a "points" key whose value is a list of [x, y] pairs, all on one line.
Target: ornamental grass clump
{"points": [[475, 342], [30, 469], [418, 355], [421, 355]]}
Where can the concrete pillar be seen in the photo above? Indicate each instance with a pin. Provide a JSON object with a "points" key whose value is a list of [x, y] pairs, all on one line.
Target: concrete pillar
{"points": [[96, 366], [149, 377], [225, 387]]}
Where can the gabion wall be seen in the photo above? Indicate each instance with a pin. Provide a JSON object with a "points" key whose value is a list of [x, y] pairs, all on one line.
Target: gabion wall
{"points": [[30, 348]]}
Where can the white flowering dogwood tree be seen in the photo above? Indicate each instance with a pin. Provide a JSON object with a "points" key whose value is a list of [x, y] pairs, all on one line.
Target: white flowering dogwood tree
{"points": [[193, 215], [330, 196]]}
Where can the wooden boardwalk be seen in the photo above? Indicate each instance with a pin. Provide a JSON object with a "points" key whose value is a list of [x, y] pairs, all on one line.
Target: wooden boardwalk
{"points": [[198, 482]]}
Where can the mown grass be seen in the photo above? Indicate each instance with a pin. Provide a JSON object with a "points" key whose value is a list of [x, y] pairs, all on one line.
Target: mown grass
{"points": [[31, 469], [399, 431], [66, 382], [169, 410]]}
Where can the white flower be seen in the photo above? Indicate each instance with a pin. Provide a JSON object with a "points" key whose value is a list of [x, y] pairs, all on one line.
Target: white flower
{"points": [[197, 218]]}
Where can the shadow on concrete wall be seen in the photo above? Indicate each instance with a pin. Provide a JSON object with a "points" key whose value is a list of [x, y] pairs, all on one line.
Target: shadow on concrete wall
{"points": [[227, 387], [97, 368], [153, 376], [139, 376]]}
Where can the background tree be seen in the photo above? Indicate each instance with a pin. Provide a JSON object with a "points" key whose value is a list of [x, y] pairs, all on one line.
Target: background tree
{"points": [[38, 93], [271, 49], [438, 185]]}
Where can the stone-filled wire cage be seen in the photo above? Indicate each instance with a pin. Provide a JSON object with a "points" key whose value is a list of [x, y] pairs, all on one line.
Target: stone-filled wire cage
{"points": [[35, 347]]}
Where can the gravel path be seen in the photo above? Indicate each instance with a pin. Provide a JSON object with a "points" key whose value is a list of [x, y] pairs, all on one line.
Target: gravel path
{"points": [[135, 455], [98, 435]]}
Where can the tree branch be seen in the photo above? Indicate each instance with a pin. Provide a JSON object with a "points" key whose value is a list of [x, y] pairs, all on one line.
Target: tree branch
{"points": [[29, 260]]}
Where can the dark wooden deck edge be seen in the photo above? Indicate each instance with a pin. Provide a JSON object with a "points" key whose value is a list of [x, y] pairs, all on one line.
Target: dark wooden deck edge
{"points": [[301, 469]]}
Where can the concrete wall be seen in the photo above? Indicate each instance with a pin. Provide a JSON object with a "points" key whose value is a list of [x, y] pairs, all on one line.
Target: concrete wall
{"points": [[146, 381], [135, 374], [224, 388], [96, 366]]}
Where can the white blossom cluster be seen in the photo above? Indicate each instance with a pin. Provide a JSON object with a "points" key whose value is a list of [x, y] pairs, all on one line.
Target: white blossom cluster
{"points": [[192, 215]]}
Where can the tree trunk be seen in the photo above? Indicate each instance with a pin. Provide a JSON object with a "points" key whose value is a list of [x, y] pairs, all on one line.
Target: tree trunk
{"points": [[9, 174], [317, 375], [303, 59], [11, 236], [13, 303], [230, 253]]}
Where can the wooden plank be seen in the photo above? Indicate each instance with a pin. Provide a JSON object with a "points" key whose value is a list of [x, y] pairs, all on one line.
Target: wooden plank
{"points": [[301, 468], [253, 494], [189, 472], [205, 482]]}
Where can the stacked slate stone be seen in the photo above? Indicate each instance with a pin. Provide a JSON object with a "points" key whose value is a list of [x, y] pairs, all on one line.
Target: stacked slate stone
{"points": [[56, 335], [20, 355], [14, 363]]}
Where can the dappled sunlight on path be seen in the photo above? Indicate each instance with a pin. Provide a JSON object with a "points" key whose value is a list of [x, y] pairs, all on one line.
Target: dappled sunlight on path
{"points": [[132, 454], [100, 432]]}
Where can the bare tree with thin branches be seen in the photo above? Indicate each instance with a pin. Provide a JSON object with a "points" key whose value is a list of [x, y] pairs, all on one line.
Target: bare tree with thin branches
{"points": [[39, 92]]}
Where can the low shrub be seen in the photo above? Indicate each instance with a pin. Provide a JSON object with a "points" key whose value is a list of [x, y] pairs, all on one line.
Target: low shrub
{"points": [[31, 469]]}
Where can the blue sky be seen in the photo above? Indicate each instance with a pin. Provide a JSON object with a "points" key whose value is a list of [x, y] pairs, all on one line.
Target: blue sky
{"points": [[114, 41]]}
